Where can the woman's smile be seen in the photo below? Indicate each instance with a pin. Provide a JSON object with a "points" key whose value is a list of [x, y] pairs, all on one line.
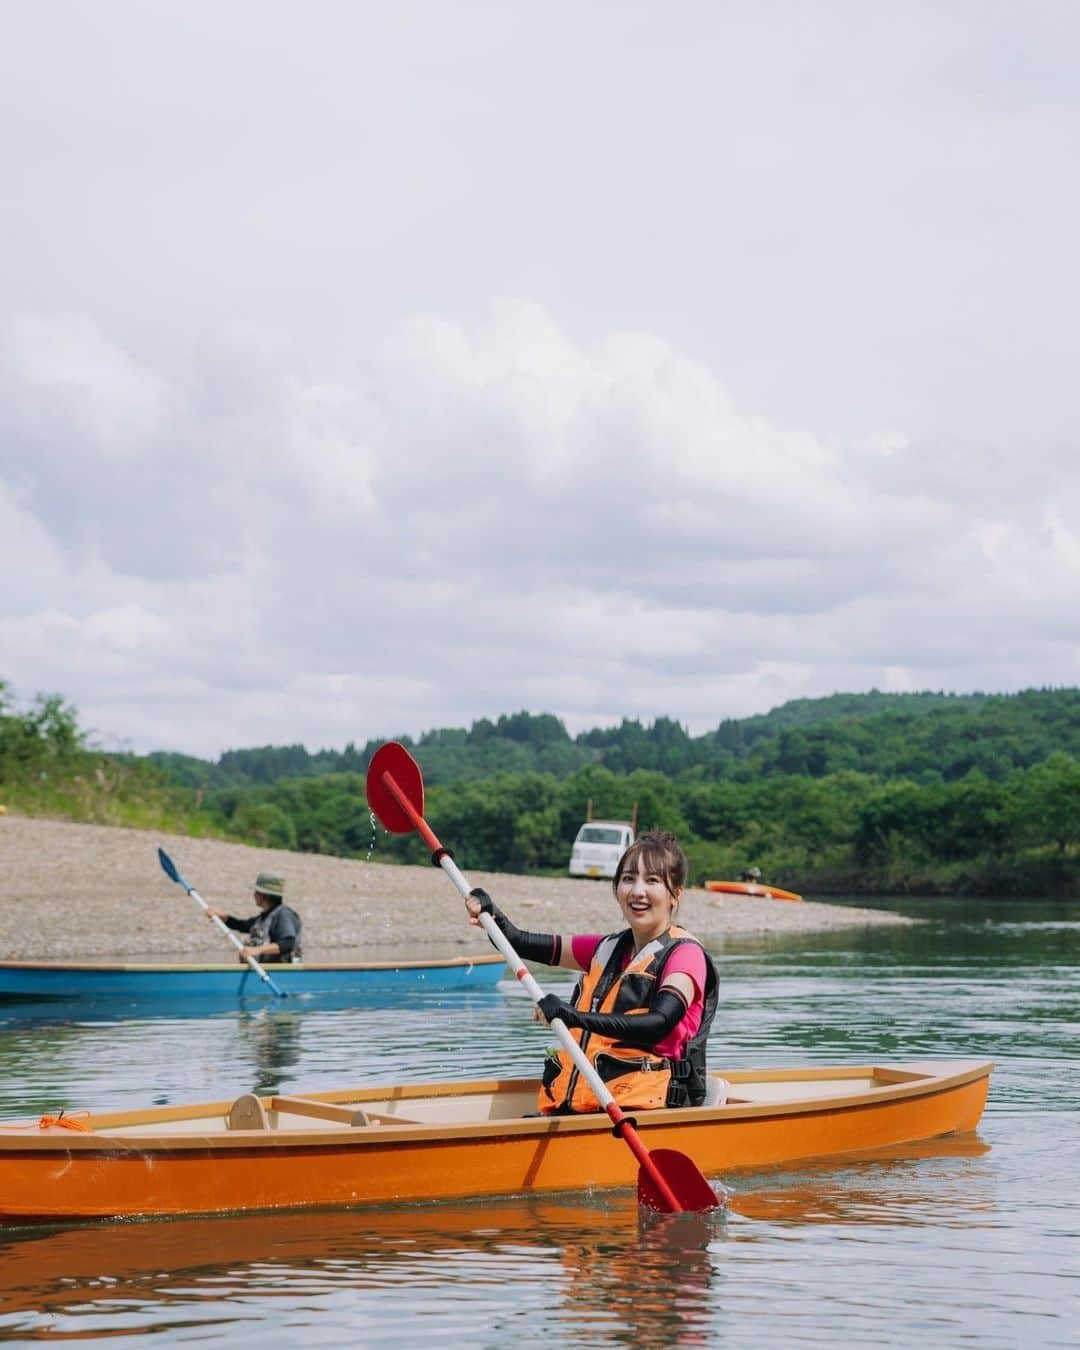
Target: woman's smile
{"points": [[646, 903]]}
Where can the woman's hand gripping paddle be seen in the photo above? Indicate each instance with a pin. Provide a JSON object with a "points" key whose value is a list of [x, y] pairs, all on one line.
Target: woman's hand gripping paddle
{"points": [[170, 870], [667, 1181]]}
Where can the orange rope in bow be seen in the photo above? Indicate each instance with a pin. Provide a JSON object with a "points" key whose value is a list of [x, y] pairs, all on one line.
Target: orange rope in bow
{"points": [[66, 1122]]}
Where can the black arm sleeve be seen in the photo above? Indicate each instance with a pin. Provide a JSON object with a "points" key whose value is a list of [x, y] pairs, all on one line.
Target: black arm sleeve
{"points": [[239, 925], [642, 1029], [543, 947]]}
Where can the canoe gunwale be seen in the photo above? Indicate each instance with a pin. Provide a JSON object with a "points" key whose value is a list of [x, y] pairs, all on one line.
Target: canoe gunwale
{"points": [[232, 967], [23, 1140], [56, 987]]}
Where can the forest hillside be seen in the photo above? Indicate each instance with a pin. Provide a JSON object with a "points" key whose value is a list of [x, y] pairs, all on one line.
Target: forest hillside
{"points": [[856, 793]]}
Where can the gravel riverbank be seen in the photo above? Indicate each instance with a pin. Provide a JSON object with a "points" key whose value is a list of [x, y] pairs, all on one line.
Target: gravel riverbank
{"points": [[96, 892]]}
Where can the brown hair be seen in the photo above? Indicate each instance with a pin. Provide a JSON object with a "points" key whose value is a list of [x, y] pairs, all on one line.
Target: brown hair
{"points": [[659, 852]]}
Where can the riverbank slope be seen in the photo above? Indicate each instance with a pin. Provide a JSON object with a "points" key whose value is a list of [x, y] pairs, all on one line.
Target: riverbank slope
{"points": [[76, 892]]}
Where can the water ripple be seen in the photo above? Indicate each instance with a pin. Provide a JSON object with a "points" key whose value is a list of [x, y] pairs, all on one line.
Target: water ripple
{"points": [[942, 1244]]}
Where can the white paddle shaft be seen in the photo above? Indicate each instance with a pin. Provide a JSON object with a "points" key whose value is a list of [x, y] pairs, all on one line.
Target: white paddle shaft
{"points": [[521, 972], [231, 936]]}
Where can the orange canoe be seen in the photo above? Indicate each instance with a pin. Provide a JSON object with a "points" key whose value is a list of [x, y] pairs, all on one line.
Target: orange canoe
{"points": [[753, 888], [452, 1141]]}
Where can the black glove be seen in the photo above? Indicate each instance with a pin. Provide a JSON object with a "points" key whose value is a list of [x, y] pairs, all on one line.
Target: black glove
{"points": [[552, 1006], [542, 947], [641, 1029]]}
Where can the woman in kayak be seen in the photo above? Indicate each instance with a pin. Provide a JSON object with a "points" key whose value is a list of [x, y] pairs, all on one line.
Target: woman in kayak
{"points": [[646, 996]]}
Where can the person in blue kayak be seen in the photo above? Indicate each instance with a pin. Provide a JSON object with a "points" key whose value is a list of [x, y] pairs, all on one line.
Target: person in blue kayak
{"points": [[646, 995], [273, 933]]}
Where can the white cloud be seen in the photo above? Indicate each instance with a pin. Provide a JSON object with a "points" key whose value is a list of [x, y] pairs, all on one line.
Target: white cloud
{"points": [[64, 364], [27, 551], [784, 403], [498, 516]]}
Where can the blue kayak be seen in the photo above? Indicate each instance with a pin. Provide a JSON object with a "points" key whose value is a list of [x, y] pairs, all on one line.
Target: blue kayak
{"points": [[92, 981]]}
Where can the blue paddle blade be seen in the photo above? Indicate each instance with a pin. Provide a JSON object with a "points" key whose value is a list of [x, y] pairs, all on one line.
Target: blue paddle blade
{"points": [[685, 1179], [167, 863], [169, 868]]}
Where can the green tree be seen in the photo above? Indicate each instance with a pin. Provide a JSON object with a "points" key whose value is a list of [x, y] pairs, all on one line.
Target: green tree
{"points": [[889, 824], [1046, 809], [265, 824]]}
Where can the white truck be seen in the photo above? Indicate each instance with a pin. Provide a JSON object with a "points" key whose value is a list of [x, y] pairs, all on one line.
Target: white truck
{"points": [[599, 846]]}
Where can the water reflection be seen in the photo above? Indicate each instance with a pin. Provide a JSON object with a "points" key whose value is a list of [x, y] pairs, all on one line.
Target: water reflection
{"points": [[951, 933], [602, 1268], [948, 1243], [274, 1046], [646, 1279], [135, 1062], [905, 1184]]}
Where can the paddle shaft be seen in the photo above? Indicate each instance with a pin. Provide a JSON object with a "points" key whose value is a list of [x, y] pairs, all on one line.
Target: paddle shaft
{"points": [[218, 923], [252, 962], [624, 1127]]}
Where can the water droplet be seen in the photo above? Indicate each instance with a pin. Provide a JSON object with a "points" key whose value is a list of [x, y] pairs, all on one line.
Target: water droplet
{"points": [[374, 831]]}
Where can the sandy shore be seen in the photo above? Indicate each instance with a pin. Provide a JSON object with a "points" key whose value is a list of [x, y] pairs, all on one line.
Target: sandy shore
{"points": [[96, 892]]}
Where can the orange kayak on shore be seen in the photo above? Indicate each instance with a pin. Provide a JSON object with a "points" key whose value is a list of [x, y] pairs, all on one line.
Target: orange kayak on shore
{"points": [[752, 888], [452, 1141]]}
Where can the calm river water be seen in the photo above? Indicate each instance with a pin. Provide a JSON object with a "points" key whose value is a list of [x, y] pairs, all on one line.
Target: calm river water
{"points": [[973, 1240]]}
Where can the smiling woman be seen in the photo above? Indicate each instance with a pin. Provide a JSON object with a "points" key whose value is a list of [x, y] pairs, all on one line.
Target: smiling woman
{"points": [[642, 1009]]}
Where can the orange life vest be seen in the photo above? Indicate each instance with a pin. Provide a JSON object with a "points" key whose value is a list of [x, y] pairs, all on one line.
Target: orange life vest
{"points": [[635, 1077]]}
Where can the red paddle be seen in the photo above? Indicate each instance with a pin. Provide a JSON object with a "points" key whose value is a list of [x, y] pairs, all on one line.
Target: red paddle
{"points": [[667, 1181]]}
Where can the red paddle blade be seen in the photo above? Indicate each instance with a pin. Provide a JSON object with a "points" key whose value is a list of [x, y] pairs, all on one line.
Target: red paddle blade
{"points": [[393, 759], [683, 1177]]}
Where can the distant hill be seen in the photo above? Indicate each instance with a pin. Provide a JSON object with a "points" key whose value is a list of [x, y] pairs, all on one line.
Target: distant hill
{"points": [[853, 794], [926, 736]]}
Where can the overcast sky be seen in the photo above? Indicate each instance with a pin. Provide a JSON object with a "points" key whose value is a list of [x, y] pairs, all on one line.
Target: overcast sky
{"points": [[367, 368]]}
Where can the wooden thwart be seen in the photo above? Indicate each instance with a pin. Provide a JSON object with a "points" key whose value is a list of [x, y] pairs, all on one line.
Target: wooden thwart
{"points": [[307, 1106], [249, 1112]]}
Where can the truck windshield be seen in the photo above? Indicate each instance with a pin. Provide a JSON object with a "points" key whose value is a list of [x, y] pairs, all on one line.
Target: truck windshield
{"points": [[599, 834]]}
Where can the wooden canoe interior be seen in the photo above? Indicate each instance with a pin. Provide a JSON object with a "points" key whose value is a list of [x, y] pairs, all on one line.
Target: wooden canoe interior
{"points": [[468, 1103]]}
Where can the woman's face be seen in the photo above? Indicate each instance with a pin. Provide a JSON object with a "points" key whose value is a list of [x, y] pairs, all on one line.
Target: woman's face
{"points": [[646, 903]]}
